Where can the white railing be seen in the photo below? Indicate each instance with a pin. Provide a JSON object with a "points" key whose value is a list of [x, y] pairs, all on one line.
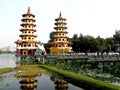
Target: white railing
{"points": [[26, 47], [28, 18], [60, 36], [27, 34], [28, 23], [27, 28]]}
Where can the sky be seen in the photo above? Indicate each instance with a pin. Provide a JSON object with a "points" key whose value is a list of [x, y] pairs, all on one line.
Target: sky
{"points": [[87, 17]]}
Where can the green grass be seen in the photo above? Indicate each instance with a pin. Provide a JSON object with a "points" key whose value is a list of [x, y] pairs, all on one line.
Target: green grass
{"points": [[28, 70], [5, 70], [98, 84]]}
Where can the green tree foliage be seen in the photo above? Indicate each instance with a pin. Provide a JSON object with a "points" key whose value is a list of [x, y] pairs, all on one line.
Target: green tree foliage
{"points": [[47, 47], [51, 37], [84, 43], [110, 44], [89, 43], [101, 44], [117, 37]]}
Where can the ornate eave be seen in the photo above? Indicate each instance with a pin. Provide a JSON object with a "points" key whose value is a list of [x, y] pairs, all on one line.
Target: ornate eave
{"points": [[59, 23], [26, 29], [30, 24], [60, 27], [26, 35], [27, 41], [26, 19]]}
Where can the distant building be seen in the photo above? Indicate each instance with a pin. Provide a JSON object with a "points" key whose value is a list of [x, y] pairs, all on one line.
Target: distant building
{"points": [[60, 44], [27, 45]]}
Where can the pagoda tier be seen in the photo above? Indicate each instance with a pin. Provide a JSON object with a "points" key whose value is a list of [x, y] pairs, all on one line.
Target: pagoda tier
{"points": [[27, 45], [60, 37]]}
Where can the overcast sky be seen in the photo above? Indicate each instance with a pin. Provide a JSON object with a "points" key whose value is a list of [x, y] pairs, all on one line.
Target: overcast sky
{"points": [[88, 17]]}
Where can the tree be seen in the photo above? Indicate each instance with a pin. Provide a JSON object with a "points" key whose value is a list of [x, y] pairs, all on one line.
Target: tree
{"points": [[52, 34], [75, 36], [117, 37], [101, 44], [110, 44]]}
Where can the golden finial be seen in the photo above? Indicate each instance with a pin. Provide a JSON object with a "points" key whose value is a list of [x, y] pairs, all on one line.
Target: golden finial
{"points": [[28, 12], [60, 16]]}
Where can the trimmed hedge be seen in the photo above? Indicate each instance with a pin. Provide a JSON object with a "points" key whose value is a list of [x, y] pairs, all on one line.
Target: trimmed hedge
{"points": [[84, 81]]}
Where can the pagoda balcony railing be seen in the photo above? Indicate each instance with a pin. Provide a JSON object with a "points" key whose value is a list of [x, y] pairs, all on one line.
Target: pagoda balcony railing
{"points": [[60, 36], [65, 47], [61, 31], [28, 23], [28, 18], [27, 28], [27, 34], [61, 25], [61, 41], [26, 47]]}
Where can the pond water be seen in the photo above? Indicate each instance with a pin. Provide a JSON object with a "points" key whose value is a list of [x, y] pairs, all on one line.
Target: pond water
{"points": [[7, 60], [42, 82]]}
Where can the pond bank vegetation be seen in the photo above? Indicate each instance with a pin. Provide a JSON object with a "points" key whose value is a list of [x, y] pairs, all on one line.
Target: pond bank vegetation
{"points": [[84, 81]]}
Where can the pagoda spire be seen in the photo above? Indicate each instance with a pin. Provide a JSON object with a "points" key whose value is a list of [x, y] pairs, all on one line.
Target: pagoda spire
{"points": [[28, 12], [60, 15]]}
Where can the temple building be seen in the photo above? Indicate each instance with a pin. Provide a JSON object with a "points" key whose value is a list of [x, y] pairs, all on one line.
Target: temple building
{"points": [[60, 45], [27, 45]]}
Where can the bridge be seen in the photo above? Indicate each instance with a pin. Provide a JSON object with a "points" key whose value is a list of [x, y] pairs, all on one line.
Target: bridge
{"points": [[87, 58]]}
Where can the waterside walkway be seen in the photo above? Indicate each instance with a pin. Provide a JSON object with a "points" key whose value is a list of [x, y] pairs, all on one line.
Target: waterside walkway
{"points": [[88, 58]]}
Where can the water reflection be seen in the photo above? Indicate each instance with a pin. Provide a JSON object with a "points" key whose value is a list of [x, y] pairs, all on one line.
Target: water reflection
{"points": [[28, 83], [42, 82], [46, 82], [61, 84]]}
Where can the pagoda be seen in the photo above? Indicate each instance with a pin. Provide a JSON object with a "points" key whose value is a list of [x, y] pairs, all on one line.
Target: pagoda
{"points": [[27, 45], [60, 45]]}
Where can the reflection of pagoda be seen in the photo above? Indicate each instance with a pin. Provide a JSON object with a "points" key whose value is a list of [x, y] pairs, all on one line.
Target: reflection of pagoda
{"points": [[28, 83], [61, 84], [27, 45], [60, 39]]}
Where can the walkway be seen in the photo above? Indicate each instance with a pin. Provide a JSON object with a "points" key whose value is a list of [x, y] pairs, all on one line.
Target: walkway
{"points": [[90, 58]]}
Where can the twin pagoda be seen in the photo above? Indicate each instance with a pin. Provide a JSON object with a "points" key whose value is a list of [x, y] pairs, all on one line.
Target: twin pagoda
{"points": [[28, 45], [60, 45]]}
